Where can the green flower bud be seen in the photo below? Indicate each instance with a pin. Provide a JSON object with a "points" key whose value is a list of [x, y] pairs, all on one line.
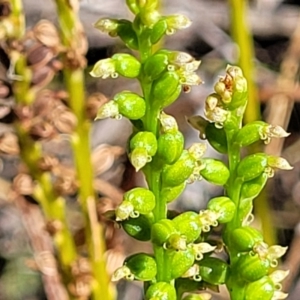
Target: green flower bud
{"points": [[181, 261], [161, 291], [215, 171], [252, 166], [139, 157], [142, 266], [262, 289], [170, 146], [224, 207], [130, 105], [217, 138], [251, 189], [127, 34], [166, 89], [158, 31], [244, 238], [170, 194], [180, 171], [250, 133], [213, 270], [143, 200], [252, 267], [155, 65], [138, 228], [109, 110], [146, 140], [188, 225], [161, 231], [126, 65]]}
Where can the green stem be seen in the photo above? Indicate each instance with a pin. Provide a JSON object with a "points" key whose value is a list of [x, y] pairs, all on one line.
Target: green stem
{"points": [[153, 174], [243, 38], [74, 79]]}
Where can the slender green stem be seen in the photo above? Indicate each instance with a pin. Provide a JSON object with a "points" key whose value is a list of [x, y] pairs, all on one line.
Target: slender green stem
{"points": [[243, 38], [153, 175], [74, 79]]}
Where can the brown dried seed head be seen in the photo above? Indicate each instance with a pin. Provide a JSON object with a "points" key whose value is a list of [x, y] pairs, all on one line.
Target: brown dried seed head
{"points": [[42, 130], [44, 103], [39, 56], [23, 184], [63, 119], [9, 144], [45, 32], [48, 162], [65, 180], [42, 76]]}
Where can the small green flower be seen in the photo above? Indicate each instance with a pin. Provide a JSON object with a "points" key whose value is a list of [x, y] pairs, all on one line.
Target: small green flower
{"points": [[104, 68], [176, 22]]}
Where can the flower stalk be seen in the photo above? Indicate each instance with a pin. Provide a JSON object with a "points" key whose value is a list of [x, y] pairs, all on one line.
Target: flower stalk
{"points": [[74, 41]]}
